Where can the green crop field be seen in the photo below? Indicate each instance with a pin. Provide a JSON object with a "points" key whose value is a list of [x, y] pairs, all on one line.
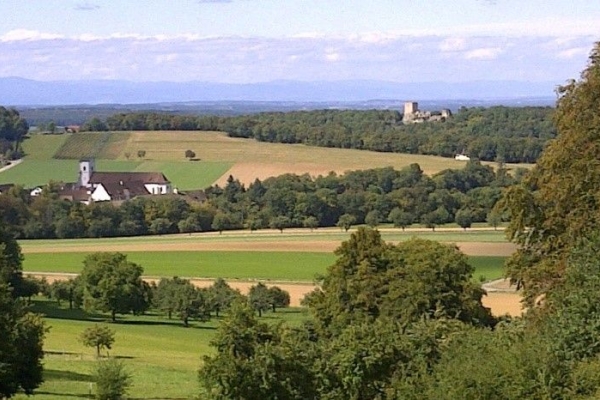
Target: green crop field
{"points": [[162, 356], [250, 265], [204, 264]]}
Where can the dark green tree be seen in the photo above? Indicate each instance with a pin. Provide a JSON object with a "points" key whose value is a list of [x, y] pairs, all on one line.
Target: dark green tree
{"points": [[113, 284], [256, 361], [259, 298], [279, 298], [464, 218], [21, 347], [400, 218], [346, 221], [221, 296]]}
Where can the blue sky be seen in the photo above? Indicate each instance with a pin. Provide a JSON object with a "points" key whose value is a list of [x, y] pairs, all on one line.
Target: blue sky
{"points": [[243, 41]]}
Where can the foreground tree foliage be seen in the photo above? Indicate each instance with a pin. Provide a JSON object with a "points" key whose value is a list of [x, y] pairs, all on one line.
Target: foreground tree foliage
{"points": [[559, 201], [374, 333], [21, 332], [414, 279]]}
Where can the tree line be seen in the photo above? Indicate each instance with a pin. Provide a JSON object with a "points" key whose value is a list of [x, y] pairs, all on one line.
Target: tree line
{"points": [[373, 197], [506, 134], [110, 283]]}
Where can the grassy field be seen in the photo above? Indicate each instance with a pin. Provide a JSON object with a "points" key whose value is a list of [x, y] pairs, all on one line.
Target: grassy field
{"points": [[43, 147], [205, 264], [219, 156], [162, 356], [252, 265]]}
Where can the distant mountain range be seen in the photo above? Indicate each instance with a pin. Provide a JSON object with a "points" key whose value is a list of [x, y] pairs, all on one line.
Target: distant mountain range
{"points": [[26, 92]]}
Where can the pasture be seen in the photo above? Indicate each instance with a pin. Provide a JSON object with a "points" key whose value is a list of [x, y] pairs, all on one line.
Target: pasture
{"points": [[162, 356]]}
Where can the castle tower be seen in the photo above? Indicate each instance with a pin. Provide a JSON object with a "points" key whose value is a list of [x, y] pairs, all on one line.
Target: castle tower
{"points": [[86, 169], [410, 107]]}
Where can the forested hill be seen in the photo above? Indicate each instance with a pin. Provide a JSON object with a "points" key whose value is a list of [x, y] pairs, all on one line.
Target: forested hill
{"points": [[508, 134], [497, 133]]}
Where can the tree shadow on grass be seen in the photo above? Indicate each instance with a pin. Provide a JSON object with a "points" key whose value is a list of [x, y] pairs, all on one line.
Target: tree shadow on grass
{"points": [[58, 375], [172, 323], [65, 395], [51, 309]]}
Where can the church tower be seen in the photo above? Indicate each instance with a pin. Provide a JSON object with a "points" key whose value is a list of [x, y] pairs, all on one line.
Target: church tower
{"points": [[86, 169]]}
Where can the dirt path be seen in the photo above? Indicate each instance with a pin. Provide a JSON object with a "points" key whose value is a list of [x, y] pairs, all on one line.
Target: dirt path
{"points": [[13, 163], [501, 302]]}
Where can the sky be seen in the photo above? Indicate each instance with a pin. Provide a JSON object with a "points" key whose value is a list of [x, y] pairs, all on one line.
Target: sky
{"points": [[249, 41]]}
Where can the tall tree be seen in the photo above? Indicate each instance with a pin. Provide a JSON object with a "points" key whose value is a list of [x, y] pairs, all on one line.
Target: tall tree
{"points": [[372, 279], [113, 284], [559, 201], [11, 258], [21, 347], [259, 298]]}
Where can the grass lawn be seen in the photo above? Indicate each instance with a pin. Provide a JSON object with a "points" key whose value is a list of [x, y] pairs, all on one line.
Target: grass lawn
{"points": [[162, 356], [206, 264], [251, 265]]}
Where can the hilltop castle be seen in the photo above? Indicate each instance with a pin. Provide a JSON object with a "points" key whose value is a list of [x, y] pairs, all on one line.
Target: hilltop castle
{"points": [[412, 114]]}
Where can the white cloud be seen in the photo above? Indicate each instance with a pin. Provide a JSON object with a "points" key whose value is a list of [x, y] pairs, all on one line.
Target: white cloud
{"points": [[166, 58], [26, 34], [333, 57], [453, 44], [314, 57], [486, 53], [573, 52]]}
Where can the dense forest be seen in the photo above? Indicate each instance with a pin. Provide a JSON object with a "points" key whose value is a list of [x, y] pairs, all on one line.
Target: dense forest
{"points": [[504, 134], [370, 197]]}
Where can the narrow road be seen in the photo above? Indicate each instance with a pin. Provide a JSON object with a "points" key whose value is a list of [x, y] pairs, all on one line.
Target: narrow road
{"points": [[13, 163]]}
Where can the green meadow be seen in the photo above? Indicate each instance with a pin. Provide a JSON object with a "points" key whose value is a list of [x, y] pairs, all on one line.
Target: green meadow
{"points": [[244, 265], [162, 356]]}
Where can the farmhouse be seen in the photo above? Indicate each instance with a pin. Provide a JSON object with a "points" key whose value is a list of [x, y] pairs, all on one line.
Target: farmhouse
{"points": [[114, 186]]}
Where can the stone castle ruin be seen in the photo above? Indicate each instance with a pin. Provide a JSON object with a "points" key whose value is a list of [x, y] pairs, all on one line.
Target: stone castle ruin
{"points": [[412, 114]]}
